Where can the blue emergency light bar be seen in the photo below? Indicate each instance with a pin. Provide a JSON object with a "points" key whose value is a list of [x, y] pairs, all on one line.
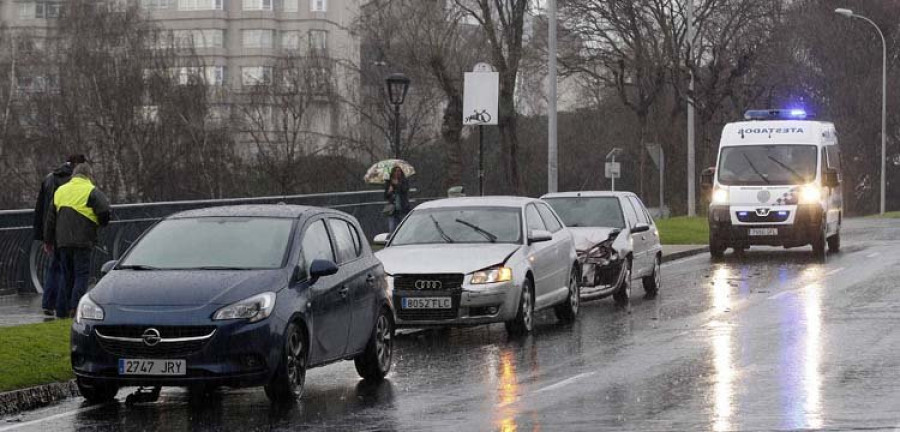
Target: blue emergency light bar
{"points": [[777, 114]]}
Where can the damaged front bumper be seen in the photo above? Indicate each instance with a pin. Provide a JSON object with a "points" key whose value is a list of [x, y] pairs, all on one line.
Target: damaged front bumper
{"points": [[602, 270]]}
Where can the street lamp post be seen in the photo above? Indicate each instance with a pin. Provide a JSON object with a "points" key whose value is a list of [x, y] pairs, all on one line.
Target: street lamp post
{"points": [[849, 14], [397, 86]]}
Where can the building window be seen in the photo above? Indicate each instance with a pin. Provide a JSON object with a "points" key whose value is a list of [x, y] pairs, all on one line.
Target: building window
{"points": [[256, 75], [290, 40], [258, 38], [257, 5], [39, 10], [291, 5], [318, 42], [318, 5], [209, 75], [206, 38], [156, 4], [199, 5]]}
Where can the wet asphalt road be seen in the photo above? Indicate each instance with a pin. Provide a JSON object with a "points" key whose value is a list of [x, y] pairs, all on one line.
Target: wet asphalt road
{"points": [[771, 341]]}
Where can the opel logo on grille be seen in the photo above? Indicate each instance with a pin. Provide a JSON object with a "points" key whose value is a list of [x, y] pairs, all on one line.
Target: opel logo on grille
{"points": [[428, 284], [763, 196], [151, 337]]}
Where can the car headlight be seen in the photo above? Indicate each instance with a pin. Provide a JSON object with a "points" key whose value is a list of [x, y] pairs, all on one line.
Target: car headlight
{"points": [[253, 309], [720, 196], [810, 194], [88, 310], [493, 275]]}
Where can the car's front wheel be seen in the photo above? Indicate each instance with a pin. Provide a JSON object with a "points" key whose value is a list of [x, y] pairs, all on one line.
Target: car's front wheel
{"points": [[524, 320], [375, 362], [568, 310], [95, 392], [623, 294], [652, 282], [290, 376]]}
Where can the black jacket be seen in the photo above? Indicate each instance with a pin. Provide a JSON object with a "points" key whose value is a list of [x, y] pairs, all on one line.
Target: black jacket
{"points": [[403, 190], [72, 229], [44, 201]]}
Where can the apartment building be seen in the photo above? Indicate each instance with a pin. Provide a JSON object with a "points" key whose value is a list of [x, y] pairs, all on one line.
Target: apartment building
{"points": [[238, 41]]}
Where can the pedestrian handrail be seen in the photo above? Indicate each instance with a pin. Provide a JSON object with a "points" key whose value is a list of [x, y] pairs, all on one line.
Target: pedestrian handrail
{"points": [[22, 262]]}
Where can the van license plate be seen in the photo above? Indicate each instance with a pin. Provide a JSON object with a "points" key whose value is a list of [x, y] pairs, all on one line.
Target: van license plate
{"points": [[764, 231], [427, 303], [151, 367]]}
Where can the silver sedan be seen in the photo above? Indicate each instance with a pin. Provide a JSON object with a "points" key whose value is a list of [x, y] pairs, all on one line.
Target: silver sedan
{"points": [[466, 261]]}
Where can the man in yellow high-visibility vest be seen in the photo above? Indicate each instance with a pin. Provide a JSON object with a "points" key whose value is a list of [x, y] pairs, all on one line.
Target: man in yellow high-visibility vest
{"points": [[78, 210]]}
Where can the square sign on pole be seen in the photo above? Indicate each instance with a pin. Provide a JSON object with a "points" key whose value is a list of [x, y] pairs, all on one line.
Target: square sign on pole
{"points": [[613, 170], [481, 91]]}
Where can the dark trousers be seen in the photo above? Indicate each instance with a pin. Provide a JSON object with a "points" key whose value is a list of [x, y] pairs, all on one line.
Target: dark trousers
{"points": [[76, 265], [53, 278]]}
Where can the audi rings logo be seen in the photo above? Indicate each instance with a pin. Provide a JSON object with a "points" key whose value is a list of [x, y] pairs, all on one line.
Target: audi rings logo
{"points": [[151, 337], [428, 285]]}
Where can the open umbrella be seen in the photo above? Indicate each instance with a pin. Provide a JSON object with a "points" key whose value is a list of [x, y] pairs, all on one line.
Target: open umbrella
{"points": [[381, 171]]}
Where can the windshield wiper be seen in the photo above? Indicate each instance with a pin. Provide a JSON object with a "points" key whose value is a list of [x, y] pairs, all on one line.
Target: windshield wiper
{"points": [[440, 231], [137, 267], [753, 167], [487, 234], [787, 168]]}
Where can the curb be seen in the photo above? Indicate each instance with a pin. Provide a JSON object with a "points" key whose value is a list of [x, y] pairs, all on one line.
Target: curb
{"points": [[685, 254], [16, 401]]}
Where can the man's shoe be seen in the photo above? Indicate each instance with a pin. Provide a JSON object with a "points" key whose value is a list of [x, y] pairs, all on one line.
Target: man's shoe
{"points": [[48, 312]]}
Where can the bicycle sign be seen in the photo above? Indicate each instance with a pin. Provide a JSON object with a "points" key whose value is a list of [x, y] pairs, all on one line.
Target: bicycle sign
{"points": [[480, 94]]}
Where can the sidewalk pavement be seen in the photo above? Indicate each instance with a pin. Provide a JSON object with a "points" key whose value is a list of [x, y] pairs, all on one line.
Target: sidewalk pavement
{"points": [[18, 309], [675, 252]]}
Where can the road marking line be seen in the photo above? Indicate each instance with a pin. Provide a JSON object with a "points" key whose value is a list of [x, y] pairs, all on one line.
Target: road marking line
{"points": [[783, 293], [834, 272], [873, 255], [565, 382], [53, 417]]}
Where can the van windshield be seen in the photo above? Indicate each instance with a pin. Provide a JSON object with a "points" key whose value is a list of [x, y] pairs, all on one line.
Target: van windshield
{"points": [[767, 165]]}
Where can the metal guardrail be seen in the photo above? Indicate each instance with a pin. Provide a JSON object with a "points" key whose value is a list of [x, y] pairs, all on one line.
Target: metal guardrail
{"points": [[22, 262]]}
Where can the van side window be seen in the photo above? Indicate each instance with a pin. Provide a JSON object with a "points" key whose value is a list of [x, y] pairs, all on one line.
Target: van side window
{"points": [[834, 157]]}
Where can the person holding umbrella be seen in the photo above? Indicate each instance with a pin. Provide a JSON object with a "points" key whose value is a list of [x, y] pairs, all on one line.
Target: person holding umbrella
{"points": [[396, 192]]}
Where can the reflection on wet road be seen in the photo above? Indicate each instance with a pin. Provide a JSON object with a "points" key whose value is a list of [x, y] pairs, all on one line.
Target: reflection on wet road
{"points": [[770, 341]]}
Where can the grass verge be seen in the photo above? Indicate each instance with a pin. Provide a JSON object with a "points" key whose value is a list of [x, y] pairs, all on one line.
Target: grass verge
{"points": [[683, 230], [34, 354], [887, 215]]}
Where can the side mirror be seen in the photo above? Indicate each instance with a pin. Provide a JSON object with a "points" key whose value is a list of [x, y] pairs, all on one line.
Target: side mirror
{"points": [[830, 178], [639, 228], [382, 239], [321, 268], [538, 236], [107, 267], [706, 177]]}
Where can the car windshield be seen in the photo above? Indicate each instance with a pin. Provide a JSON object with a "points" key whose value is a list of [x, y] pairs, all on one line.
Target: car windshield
{"points": [[589, 211], [460, 225], [230, 243], [767, 165]]}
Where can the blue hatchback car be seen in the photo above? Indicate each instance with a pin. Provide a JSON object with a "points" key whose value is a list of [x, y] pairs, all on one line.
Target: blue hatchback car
{"points": [[235, 296]]}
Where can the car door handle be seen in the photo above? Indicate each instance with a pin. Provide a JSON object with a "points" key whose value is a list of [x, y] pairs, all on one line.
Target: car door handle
{"points": [[344, 290]]}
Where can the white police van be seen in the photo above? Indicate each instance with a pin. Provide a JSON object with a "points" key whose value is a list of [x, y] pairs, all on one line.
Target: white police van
{"points": [[776, 183]]}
